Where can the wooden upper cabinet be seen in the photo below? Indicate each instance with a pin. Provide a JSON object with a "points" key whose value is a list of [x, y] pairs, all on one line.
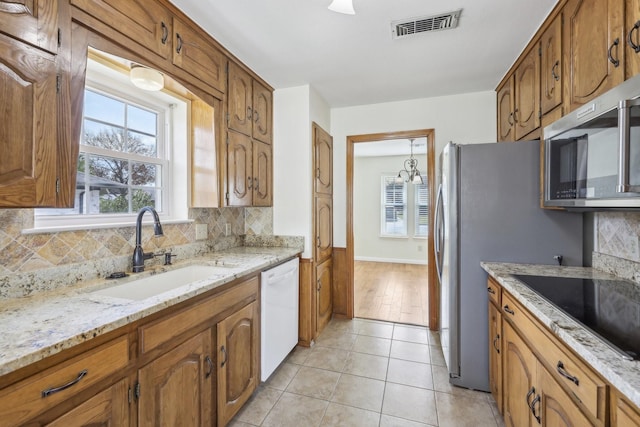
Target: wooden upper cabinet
{"points": [[29, 131], [262, 174], [238, 342], [240, 99], [177, 387], [324, 305], [551, 69], [145, 22], [593, 48], [262, 112], [506, 129], [526, 113], [632, 38], [323, 160], [239, 169], [197, 56], [32, 21]]}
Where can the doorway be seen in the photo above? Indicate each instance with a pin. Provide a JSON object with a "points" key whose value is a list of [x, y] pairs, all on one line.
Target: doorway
{"points": [[388, 282]]}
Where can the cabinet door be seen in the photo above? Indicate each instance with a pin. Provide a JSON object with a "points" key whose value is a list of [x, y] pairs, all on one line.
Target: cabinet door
{"points": [[240, 99], [624, 414], [518, 378], [28, 134], [555, 408], [262, 112], [551, 66], [506, 130], [323, 160], [495, 354], [194, 54], [632, 58], [239, 169], [32, 21], [262, 174], [107, 408], [176, 388], [145, 22], [324, 306], [238, 342], [323, 228], [593, 48], [527, 94]]}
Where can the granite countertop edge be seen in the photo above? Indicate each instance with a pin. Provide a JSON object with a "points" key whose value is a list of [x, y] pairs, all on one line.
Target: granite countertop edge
{"points": [[47, 323], [623, 374]]}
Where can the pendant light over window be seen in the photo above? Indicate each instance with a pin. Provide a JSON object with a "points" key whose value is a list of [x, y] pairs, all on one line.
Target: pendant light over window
{"points": [[410, 173], [342, 6], [146, 78]]}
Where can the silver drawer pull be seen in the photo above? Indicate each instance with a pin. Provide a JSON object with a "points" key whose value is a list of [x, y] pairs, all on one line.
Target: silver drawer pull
{"points": [[50, 391], [564, 373]]}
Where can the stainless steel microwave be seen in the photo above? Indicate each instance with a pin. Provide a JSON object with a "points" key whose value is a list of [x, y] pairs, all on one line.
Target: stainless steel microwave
{"points": [[592, 155]]}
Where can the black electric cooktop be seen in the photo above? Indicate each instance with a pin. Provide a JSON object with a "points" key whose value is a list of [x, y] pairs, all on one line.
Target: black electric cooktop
{"points": [[609, 308]]}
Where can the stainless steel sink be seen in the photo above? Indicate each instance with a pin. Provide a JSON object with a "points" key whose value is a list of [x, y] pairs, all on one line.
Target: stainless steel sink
{"points": [[156, 284]]}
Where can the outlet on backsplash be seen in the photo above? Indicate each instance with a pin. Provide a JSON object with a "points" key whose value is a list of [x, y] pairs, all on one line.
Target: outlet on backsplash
{"points": [[227, 229], [201, 231]]}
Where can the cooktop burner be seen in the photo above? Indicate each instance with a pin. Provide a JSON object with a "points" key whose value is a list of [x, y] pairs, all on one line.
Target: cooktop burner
{"points": [[610, 308]]}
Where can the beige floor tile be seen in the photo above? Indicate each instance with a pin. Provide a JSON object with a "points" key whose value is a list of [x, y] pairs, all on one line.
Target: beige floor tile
{"points": [[236, 423], [415, 404], [282, 376], [376, 329], [364, 393], [294, 411], [410, 373], [496, 412], [298, 355], [329, 358], [459, 411], [434, 337], [367, 365], [410, 333], [389, 421], [372, 345], [334, 339], [257, 408], [410, 351], [312, 382], [343, 416], [437, 357], [343, 325], [441, 383]]}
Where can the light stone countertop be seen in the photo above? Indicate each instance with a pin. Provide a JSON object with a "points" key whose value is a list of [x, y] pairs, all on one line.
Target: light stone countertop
{"points": [[46, 323], [622, 374]]}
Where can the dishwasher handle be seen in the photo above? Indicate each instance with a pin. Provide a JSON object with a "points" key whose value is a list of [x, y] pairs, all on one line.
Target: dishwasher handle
{"points": [[275, 279]]}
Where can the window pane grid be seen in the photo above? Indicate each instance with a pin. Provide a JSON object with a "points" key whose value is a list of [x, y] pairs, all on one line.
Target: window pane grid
{"points": [[422, 208], [394, 207]]}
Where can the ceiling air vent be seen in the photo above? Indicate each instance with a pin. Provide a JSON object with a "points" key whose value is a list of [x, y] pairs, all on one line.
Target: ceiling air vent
{"points": [[413, 26]]}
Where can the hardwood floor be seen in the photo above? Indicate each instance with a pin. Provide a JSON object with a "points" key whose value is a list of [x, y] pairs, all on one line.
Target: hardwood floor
{"points": [[391, 292]]}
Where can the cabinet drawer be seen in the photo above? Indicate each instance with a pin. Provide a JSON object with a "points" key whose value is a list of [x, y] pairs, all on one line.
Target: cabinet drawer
{"points": [[47, 389], [167, 328], [494, 290], [565, 368]]}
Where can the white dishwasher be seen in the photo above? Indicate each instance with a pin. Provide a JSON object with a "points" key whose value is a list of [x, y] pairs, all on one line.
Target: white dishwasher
{"points": [[279, 319]]}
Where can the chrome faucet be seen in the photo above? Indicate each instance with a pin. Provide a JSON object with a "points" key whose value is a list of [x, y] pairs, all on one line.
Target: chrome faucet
{"points": [[138, 254]]}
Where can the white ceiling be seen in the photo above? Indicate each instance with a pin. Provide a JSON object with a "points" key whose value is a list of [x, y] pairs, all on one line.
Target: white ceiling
{"points": [[392, 147], [352, 60]]}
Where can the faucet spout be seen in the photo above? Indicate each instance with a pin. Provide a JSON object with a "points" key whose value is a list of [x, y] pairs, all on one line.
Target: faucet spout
{"points": [[138, 254]]}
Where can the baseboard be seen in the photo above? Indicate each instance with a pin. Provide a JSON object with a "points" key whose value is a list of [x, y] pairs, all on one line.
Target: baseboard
{"points": [[391, 260]]}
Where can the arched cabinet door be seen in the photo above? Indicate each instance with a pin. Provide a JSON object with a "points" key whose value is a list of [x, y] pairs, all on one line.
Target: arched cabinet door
{"points": [[262, 176], [551, 71], [239, 169], [324, 305], [32, 21], [323, 152], [518, 379], [240, 99], [262, 113], [323, 228], [506, 128]]}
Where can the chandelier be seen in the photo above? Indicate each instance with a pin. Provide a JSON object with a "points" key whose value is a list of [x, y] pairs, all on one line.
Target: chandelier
{"points": [[410, 171]]}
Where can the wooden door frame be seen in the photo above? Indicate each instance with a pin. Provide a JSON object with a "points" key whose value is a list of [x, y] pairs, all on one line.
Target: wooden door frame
{"points": [[350, 257]]}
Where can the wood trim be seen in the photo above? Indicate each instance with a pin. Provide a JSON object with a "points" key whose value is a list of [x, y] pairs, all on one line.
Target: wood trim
{"points": [[306, 303], [434, 297], [340, 283]]}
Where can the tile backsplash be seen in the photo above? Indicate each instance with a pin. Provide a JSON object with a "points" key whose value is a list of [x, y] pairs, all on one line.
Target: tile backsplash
{"points": [[618, 244]]}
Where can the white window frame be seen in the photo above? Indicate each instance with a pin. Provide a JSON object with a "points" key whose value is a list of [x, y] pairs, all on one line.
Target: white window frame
{"points": [[384, 204], [164, 105], [416, 209]]}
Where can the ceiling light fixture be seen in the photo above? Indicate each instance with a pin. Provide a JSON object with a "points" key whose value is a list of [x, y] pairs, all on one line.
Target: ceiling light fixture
{"points": [[146, 78], [342, 6], [411, 171]]}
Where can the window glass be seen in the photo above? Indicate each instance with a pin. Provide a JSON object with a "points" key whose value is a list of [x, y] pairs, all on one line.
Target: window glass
{"points": [[422, 208], [394, 207]]}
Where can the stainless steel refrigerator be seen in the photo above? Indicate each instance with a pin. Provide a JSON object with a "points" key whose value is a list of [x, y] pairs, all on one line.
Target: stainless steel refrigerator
{"points": [[488, 210]]}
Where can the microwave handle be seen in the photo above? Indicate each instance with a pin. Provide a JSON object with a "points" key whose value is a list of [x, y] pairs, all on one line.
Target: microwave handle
{"points": [[624, 147]]}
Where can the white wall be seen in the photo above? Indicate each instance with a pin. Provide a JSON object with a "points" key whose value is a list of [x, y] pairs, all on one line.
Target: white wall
{"points": [[465, 118], [368, 244], [293, 111]]}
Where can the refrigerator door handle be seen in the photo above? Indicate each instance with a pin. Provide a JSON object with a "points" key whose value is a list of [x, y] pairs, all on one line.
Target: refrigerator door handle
{"points": [[438, 231]]}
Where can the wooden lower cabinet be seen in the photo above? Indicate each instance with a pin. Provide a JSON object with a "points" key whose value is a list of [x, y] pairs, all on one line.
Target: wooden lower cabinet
{"points": [[324, 303], [176, 388], [238, 376], [495, 354], [518, 378], [552, 406], [623, 414], [107, 408]]}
